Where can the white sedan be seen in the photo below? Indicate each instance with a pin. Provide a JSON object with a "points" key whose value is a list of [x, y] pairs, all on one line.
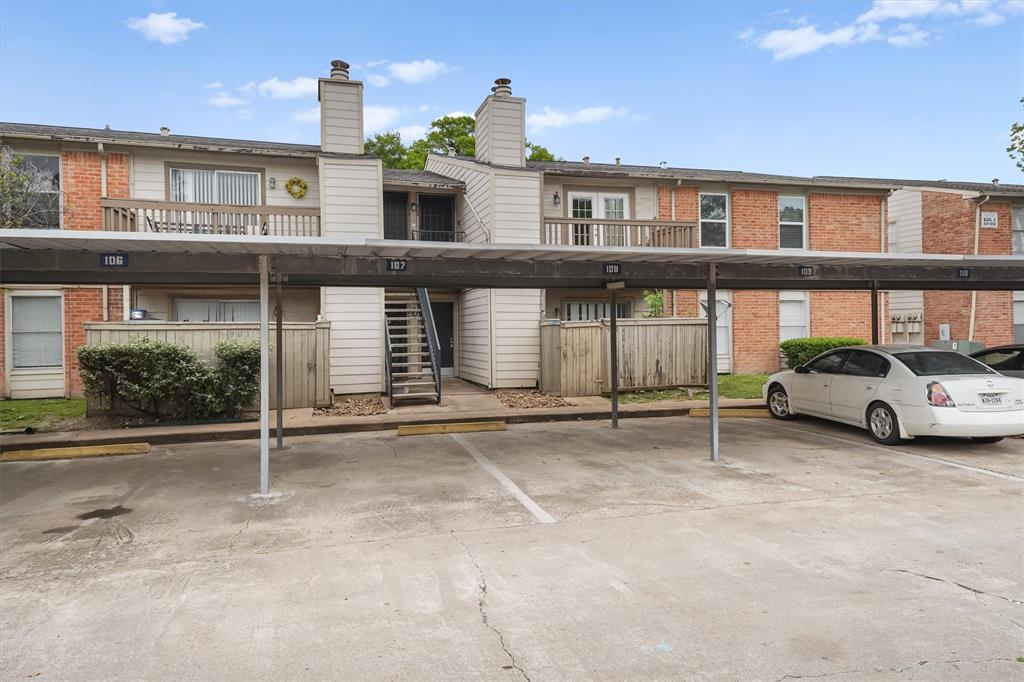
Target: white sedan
{"points": [[898, 392]]}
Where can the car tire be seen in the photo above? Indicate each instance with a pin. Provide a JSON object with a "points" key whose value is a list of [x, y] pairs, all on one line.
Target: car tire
{"points": [[778, 403], [883, 424], [987, 439]]}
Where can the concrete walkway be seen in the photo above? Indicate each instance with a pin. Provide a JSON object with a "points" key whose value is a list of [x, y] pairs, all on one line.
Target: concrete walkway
{"points": [[459, 406]]}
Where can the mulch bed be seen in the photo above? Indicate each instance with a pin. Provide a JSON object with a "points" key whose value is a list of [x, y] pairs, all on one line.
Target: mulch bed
{"points": [[352, 407], [528, 400]]}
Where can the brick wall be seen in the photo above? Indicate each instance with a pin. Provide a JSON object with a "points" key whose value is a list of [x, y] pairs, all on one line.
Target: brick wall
{"points": [[82, 182], [755, 219], [755, 331], [993, 324], [841, 313], [845, 222]]}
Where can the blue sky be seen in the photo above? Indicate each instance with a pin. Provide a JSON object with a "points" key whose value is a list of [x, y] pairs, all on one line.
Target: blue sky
{"points": [[912, 88]]}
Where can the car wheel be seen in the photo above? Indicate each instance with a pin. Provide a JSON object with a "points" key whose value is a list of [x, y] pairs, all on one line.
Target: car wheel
{"points": [[778, 403], [883, 425], [987, 439]]}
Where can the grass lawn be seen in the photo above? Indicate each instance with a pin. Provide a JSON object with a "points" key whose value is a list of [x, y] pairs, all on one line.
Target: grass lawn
{"points": [[40, 414], [729, 386]]}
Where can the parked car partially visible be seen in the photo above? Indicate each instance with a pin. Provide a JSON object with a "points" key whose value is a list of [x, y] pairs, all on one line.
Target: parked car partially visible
{"points": [[1008, 360], [899, 392]]}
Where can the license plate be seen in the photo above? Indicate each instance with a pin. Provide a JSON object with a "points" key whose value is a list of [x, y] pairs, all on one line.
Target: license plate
{"points": [[990, 399]]}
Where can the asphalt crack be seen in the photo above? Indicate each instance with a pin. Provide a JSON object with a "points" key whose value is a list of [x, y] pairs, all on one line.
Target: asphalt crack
{"points": [[975, 590], [876, 671], [482, 607]]}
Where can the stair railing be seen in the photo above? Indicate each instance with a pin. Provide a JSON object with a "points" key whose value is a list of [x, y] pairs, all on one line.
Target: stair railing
{"points": [[432, 341], [388, 364]]}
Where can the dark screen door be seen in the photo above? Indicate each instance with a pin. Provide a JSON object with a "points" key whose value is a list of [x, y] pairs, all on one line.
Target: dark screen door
{"points": [[444, 318], [437, 218], [396, 217]]}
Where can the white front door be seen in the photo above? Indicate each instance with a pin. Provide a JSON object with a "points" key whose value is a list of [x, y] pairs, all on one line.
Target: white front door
{"points": [[724, 327], [597, 205]]}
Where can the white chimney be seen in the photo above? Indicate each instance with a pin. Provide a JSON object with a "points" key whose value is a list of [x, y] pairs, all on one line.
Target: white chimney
{"points": [[165, 131], [501, 127], [341, 111]]}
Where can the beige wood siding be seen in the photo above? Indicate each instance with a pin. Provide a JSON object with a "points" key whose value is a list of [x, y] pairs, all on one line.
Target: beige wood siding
{"points": [[516, 208], [46, 382], [644, 205], [357, 341], [341, 116], [904, 210], [149, 174], [477, 198], [500, 131], [516, 337], [352, 198], [475, 336]]}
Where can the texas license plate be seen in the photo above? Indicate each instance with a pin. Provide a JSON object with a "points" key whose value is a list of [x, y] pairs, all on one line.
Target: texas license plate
{"points": [[990, 399]]}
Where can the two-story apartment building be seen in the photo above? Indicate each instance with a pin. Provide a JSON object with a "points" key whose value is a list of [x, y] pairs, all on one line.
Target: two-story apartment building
{"points": [[957, 218], [169, 183]]}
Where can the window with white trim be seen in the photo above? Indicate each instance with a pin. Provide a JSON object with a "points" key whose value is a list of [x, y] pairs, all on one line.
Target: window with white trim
{"points": [[213, 186], [794, 317], [39, 207], [792, 222], [36, 335], [714, 220], [1017, 229], [1018, 317], [596, 205], [212, 310], [580, 311]]}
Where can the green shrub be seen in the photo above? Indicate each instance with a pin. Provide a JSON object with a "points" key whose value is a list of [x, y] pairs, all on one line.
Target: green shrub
{"points": [[799, 351], [170, 381], [238, 373]]}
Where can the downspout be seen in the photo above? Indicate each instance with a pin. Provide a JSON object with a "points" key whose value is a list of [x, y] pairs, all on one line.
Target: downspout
{"points": [[103, 169], [106, 303], [673, 191], [883, 243], [977, 246]]}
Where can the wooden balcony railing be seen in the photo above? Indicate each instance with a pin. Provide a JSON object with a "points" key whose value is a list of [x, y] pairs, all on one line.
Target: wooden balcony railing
{"points": [[172, 217], [606, 232]]}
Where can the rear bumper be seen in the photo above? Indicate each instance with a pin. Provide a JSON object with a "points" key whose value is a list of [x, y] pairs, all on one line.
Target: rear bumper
{"points": [[944, 421]]}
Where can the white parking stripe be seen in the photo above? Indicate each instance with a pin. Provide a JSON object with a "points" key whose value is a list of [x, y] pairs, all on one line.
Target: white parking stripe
{"points": [[893, 451], [504, 480]]}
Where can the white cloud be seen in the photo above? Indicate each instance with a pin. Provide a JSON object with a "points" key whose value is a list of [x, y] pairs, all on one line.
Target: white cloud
{"points": [[907, 35], [989, 19], [164, 27], [787, 43], [307, 115], [378, 80], [248, 87], [746, 34], [416, 71], [1014, 6], [376, 63], [410, 133], [901, 9], [556, 118], [222, 100], [215, 85], [376, 119], [423, 108], [303, 86], [457, 114]]}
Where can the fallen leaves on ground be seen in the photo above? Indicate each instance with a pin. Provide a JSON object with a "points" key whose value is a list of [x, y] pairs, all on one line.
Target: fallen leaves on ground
{"points": [[527, 400], [352, 407]]}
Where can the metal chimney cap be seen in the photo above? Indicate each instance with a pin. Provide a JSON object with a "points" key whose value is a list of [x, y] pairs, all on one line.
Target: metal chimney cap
{"points": [[502, 87], [165, 131], [339, 70], [586, 159], [618, 160]]}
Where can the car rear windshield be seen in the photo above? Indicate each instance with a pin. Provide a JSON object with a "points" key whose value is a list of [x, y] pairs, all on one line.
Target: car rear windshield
{"points": [[930, 363]]}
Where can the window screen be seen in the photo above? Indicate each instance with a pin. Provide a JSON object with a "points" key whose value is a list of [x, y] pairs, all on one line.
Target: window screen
{"points": [[41, 205], [202, 186], [792, 212], [714, 220], [36, 331], [792, 318]]}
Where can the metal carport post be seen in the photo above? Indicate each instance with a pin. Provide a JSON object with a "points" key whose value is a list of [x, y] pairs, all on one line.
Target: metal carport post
{"points": [[712, 308]]}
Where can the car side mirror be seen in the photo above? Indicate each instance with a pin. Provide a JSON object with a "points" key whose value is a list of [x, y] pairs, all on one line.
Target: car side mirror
{"points": [[801, 369]]}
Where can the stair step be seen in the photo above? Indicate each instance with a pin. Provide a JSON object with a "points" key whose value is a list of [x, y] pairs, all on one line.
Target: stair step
{"points": [[408, 384], [413, 396], [411, 375]]}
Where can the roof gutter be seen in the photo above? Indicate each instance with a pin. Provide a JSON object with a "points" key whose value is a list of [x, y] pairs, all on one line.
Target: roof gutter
{"points": [[89, 139]]}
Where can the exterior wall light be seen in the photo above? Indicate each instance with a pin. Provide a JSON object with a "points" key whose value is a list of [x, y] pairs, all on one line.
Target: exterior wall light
{"points": [[558, 199]]}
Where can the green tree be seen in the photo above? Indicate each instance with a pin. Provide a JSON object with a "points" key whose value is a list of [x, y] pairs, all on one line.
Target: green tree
{"points": [[446, 134], [654, 300], [30, 196], [389, 147], [1016, 148]]}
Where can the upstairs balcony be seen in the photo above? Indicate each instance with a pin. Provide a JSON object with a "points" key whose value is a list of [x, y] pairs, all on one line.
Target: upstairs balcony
{"points": [[172, 217], [609, 232]]}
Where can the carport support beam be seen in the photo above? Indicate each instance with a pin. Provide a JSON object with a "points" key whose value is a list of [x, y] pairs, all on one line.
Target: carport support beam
{"points": [[264, 375], [712, 304], [874, 312], [279, 312], [614, 352]]}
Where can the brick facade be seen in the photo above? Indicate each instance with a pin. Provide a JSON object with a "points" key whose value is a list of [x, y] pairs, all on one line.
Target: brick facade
{"points": [[836, 222], [948, 222]]}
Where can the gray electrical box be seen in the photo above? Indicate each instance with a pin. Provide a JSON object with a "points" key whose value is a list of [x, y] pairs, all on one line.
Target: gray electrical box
{"points": [[960, 346]]}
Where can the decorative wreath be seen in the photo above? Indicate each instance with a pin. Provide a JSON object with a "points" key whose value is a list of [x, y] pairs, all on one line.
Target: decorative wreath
{"points": [[297, 187]]}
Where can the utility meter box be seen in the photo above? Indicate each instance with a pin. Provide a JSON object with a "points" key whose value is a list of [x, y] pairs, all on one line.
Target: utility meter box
{"points": [[960, 346]]}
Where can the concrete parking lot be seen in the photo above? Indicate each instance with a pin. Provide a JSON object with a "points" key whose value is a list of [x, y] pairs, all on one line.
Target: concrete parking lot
{"points": [[547, 552]]}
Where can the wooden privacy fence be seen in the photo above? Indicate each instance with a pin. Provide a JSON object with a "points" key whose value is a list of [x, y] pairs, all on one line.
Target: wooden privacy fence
{"points": [[656, 353], [306, 348]]}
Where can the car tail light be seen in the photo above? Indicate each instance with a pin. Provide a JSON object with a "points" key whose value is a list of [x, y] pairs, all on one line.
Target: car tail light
{"points": [[936, 395]]}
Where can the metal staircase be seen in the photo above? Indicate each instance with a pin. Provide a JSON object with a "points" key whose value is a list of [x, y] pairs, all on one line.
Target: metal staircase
{"points": [[412, 351]]}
